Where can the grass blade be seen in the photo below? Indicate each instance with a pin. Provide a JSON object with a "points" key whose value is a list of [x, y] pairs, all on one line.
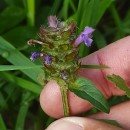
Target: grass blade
{"points": [[55, 7], [14, 67], [31, 12], [2, 124], [10, 53], [22, 82], [94, 66], [65, 8], [81, 8], [99, 39], [104, 4], [26, 100], [3, 103], [90, 16]]}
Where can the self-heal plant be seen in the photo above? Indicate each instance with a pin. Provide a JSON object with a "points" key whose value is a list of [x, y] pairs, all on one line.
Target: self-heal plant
{"points": [[59, 55]]}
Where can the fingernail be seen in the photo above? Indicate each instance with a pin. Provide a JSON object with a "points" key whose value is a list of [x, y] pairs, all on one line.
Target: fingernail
{"points": [[64, 124]]}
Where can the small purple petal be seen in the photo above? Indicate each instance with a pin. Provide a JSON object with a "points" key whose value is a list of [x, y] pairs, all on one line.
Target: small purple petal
{"points": [[47, 60], [64, 75], [78, 40], [85, 37], [88, 41], [88, 30], [52, 21], [35, 55]]}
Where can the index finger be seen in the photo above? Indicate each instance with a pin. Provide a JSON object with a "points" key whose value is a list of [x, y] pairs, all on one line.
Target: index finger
{"points": [[116, 56]]}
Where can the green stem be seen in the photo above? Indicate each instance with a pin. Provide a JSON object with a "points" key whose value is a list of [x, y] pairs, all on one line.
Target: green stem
{"points": [[31, 12], [64, 94]]}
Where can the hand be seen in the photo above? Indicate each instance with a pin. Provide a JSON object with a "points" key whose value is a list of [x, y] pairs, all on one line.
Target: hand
{"points": [[117, 57]]}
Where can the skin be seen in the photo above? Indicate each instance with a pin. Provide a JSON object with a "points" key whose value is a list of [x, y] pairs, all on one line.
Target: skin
{"points": [[117, 57]]}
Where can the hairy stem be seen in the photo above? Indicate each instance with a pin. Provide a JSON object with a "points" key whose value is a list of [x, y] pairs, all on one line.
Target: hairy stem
{"points": [[64, 94]]}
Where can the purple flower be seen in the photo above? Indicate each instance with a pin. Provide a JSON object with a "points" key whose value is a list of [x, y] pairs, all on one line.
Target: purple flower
{"points": [[47, 59], [52, 21], [85, 36], [35, 55], [64, 75]]}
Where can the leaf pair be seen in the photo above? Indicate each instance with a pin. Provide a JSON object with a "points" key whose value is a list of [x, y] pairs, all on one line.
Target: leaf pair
{"points": [[84, 88]]}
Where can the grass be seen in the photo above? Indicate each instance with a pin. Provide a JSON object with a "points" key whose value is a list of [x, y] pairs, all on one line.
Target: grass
{"points": [[20, 21]]}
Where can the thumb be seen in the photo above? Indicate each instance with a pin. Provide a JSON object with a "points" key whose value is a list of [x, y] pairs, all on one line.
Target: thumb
{"points": [[78, 123]]}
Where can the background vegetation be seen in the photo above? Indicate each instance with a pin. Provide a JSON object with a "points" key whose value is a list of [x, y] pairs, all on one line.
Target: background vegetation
{"points": [[20, 21]]}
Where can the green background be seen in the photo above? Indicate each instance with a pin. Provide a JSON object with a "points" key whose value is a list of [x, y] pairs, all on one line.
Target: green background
{"points": [[20, 21]]}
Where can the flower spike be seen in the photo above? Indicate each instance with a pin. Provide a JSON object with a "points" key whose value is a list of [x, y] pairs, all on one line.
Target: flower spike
{"points": [[58, 53]]}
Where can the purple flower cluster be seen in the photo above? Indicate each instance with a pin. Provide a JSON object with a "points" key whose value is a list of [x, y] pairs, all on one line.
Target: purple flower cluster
{"points": [[85, 36], [55, 26], [35, 55], [64, 75], [47, 59]]}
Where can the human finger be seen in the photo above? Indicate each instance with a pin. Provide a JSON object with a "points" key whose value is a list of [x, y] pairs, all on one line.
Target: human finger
{"points": [[116, 56], [78, 123]]}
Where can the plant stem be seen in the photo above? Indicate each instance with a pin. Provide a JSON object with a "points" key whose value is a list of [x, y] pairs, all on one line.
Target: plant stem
{"points": [[27, 97], [31, 12], [64, 94]]}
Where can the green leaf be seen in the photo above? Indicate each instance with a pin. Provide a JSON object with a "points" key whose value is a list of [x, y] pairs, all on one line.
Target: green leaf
{"points": [[10, 17], [120, 83], [3, 101], [14, 2], [85, 89], [20, 35], [14, 67], [2, 124], [94, 66]]}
